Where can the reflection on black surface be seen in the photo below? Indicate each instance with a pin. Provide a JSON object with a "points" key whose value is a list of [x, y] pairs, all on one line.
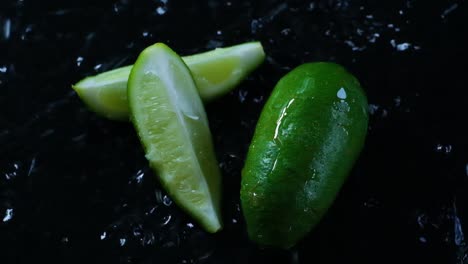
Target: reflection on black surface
{"points": [[75, 188]]}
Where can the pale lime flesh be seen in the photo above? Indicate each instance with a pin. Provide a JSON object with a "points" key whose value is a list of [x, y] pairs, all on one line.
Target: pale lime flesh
{"points": [[215, 72], [171, 122]]}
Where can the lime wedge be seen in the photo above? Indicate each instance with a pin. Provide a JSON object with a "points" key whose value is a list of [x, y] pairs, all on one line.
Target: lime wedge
{"points": [[171, 122], [215, 72]]}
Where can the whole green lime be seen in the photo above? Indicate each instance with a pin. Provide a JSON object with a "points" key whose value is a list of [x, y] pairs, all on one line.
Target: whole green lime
{"points": [[307, 139]]}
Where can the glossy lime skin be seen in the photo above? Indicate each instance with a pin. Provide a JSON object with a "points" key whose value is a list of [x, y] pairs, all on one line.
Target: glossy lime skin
{"points": [[307, 139]]}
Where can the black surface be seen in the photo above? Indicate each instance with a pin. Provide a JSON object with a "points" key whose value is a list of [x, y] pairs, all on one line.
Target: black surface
{"points": [[70, 190]]}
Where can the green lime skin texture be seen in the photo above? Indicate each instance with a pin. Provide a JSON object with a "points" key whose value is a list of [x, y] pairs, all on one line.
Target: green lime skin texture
{"points": [[308, 137]]}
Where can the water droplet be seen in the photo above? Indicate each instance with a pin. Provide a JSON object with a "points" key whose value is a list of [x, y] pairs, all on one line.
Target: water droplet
{"points": [[422, 220], [443, 148], [190, 225], [219, 32], [459, 236], [341, 93], [373, 108], [286, 31], [166, 219], [3, 69], [384, 113], [161, 10], [397, 101], [353, 45], [422, 239], [10, 175], [97, 67], [115, 8], [255, 25], [242, 95], [449, 10], [145, 34], [79, 60], [7, 29], [32, 166], [138, 177], [137, 231], [403, 46], [372, 203], [234, 221], [65, 240], [8, 215], [122, 242], [167, 201], [311, 6], [193, 117], [103, 235], [258, 99], [373, 38]]}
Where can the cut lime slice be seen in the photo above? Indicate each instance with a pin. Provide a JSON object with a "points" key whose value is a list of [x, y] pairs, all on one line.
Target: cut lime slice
{"points": [[215, 72], [169, 117]]}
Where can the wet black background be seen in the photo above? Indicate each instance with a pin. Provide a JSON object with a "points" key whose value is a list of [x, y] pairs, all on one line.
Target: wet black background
{"points": [[75, 188]]}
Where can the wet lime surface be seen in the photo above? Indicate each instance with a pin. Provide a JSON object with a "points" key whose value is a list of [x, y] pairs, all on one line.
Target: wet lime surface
{"points": [[76, 188]]}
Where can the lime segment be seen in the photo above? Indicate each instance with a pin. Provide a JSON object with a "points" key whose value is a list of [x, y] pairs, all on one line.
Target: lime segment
{"points": [[171, 122], [215, 72]]}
